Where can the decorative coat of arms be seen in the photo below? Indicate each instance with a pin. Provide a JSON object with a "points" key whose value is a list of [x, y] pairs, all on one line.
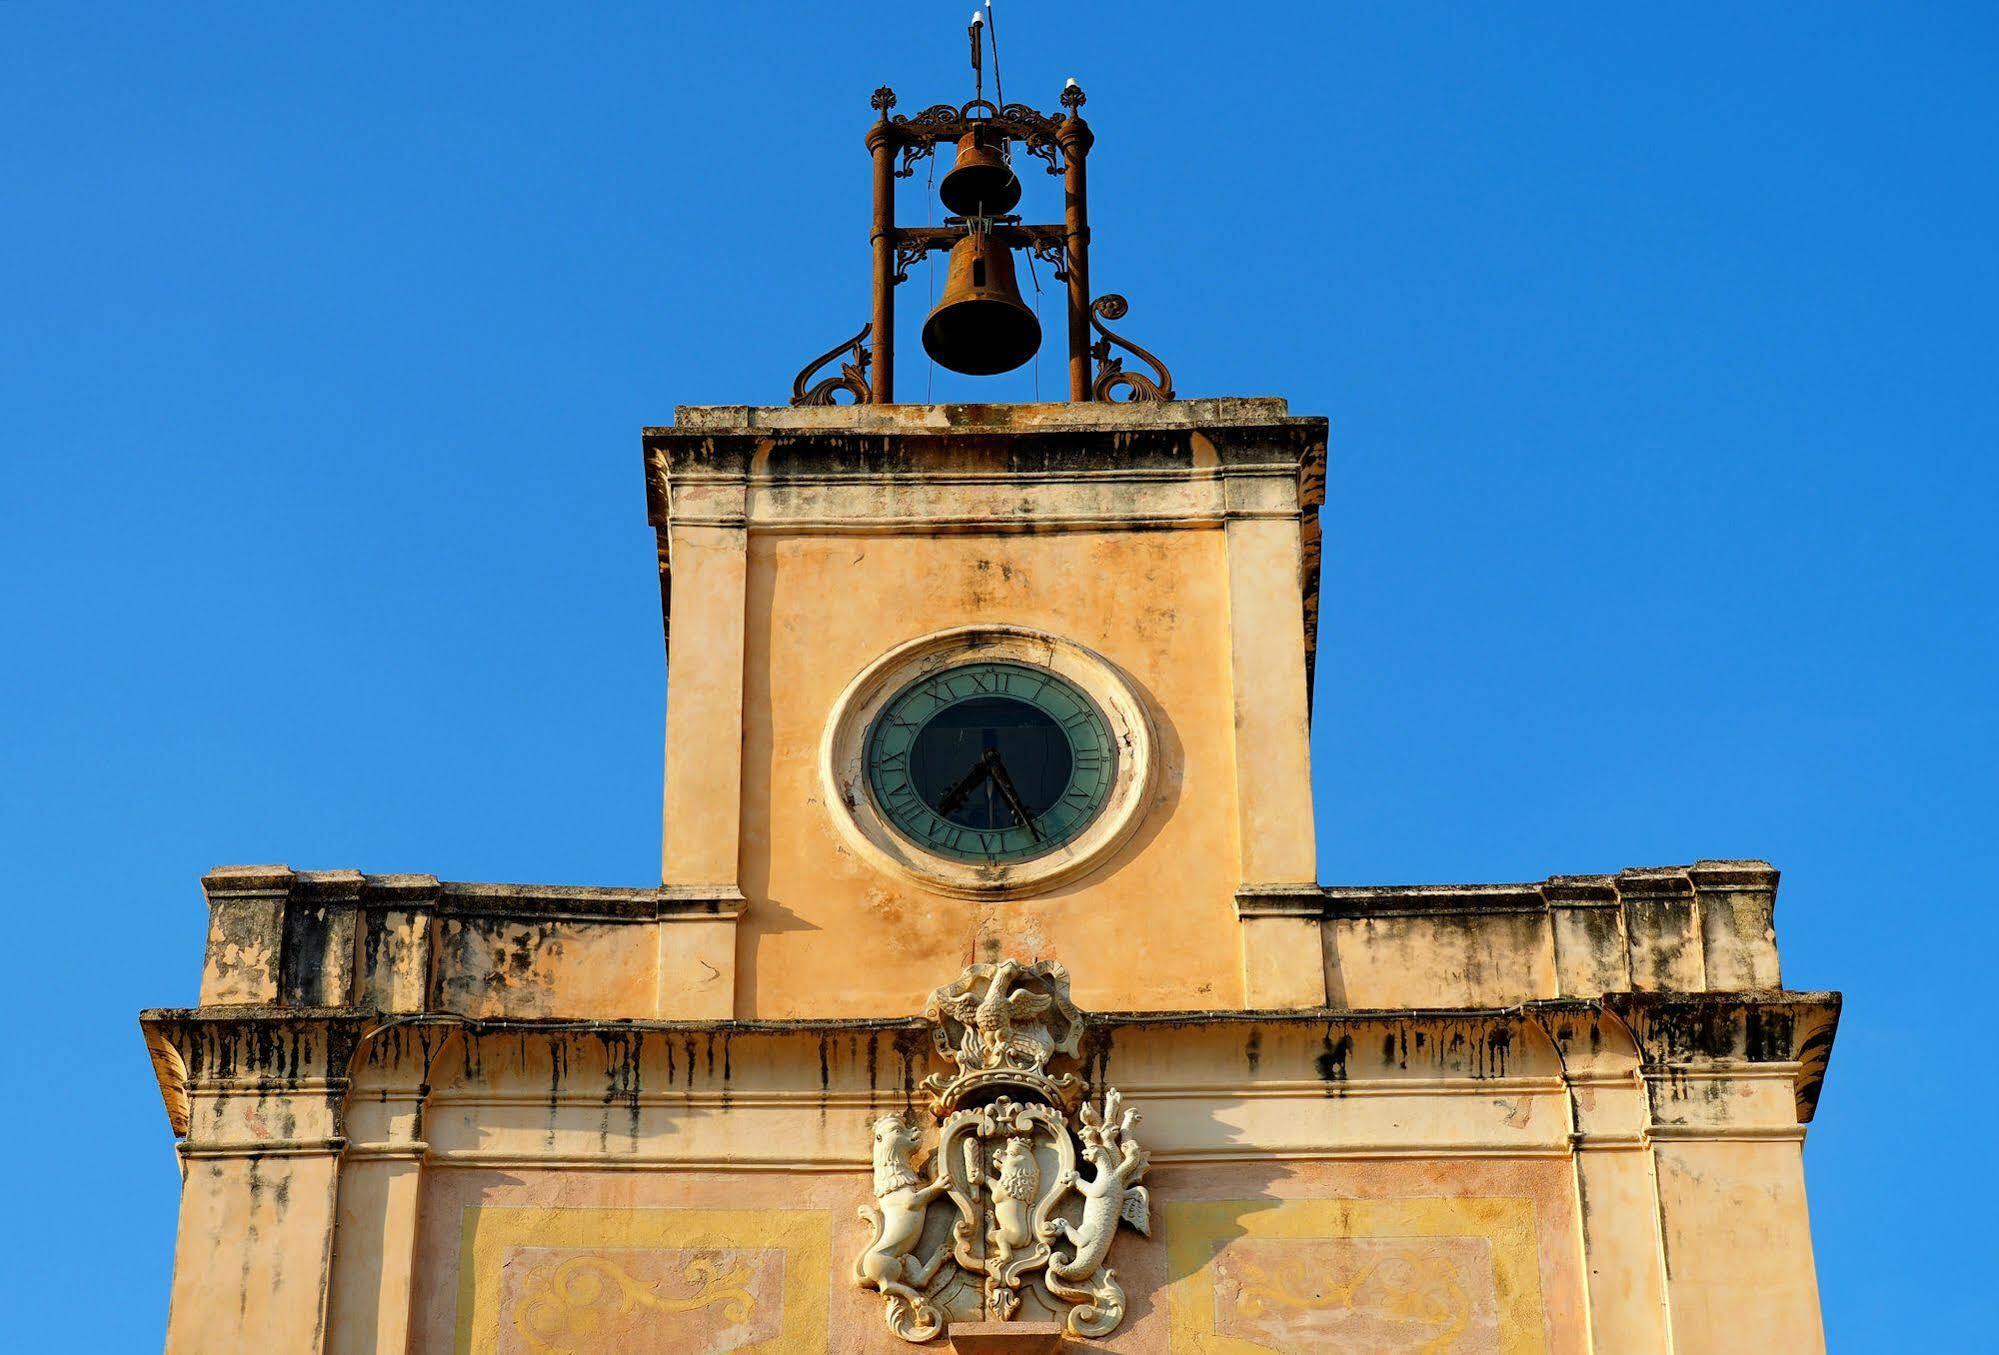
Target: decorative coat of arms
{"points": [[1033, 1184]]}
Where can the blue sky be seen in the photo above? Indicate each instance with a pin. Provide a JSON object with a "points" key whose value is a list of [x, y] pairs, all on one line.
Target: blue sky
{"points": [[1658, 344]]}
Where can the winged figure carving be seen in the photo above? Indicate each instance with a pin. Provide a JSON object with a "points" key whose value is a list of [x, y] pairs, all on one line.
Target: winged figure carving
{"points": [[1002, 1025], [1007, 1015]]}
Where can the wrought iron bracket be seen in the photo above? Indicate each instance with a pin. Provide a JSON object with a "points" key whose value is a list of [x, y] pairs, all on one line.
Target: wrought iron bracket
{"points": [[905, 255], [853, 377], [1110, 369], [916, 241], [1053, 251]]}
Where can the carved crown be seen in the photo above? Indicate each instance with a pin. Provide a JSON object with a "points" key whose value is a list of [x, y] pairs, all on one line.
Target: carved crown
{"points": [[1000, 1025]]}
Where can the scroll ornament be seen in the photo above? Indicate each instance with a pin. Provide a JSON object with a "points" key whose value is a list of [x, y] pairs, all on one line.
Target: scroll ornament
{"points": [[1029, 1181]]}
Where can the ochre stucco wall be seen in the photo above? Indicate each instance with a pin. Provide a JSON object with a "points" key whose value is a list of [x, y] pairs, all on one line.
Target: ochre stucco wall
{"points": [[425, 1116], [825, 933], [1393, 1258]]}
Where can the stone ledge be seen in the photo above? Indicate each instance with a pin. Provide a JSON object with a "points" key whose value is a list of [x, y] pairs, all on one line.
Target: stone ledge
{"points": [[1557, 891], [976, 418], [1006, 1338], [238, 1058]]}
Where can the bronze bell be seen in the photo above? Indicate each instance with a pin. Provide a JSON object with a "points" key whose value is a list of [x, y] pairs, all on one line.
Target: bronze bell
{"points": [[981, 182], [981, 327]]}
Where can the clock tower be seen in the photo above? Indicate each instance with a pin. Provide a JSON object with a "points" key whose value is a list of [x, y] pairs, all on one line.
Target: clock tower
{"points": [[950, 683], [988, 1000]]}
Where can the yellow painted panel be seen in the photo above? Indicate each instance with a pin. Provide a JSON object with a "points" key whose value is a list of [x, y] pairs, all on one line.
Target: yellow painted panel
{"points": [[1435, 1276], [541, 1281]]}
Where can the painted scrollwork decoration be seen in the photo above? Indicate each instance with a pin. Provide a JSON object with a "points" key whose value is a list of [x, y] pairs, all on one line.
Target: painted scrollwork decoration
{"points": [[853, 376], [1030, 1187], [1111, 374]]}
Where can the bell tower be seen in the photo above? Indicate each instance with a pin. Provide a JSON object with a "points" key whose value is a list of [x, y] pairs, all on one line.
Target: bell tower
{"points": [[952, 683], [968, 682], [989, 999]]}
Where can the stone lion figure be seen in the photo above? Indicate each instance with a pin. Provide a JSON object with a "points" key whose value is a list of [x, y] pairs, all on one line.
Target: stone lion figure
{"points": [[901, 1202]]}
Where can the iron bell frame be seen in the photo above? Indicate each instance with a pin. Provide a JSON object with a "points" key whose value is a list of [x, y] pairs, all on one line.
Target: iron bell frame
{"points": [[1064, 143]]}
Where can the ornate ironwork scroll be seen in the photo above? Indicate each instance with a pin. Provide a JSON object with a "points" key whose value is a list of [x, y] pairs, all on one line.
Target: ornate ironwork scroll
{"points": [[853, 377], [919, 134], [1053, 252], [906, 253], [1110, 369]]}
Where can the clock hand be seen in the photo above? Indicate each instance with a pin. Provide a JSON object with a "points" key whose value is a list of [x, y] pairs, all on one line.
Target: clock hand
{"points": [[1005, 784], [955, 796]]}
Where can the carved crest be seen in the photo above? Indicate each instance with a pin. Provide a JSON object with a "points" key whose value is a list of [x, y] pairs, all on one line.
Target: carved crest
{"points": [[1036, 1190], [1000, 1025]]}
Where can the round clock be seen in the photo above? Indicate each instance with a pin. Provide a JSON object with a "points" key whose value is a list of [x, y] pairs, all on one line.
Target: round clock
{"points": [[988, 761]]}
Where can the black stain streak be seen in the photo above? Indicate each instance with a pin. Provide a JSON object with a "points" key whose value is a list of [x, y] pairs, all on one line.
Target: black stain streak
{"points": [[1097, 1046], [1332, 1060]]}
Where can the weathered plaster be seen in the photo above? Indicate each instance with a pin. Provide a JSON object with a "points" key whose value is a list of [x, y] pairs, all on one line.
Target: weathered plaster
{"points": [[425, 1116]]}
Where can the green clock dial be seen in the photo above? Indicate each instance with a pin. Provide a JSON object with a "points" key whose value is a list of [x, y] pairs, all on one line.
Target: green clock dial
{"points": [[990, 762]]}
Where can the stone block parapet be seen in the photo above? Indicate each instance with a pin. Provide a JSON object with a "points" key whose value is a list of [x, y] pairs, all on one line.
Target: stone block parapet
{"points": [[414, 943], [403, 944], [1702, 928]]}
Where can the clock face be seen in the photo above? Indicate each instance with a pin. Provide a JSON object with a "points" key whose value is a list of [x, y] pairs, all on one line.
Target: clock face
{"points": [[990, 762]]}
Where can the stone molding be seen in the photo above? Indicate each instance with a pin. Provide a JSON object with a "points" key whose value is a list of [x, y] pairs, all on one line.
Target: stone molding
{"points": [[982, 418], [230, 1066], [903, 469], [1277, 900]]}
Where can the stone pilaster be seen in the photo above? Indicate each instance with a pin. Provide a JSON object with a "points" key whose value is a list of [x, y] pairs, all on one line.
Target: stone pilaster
{"points": [[264, 1093]]}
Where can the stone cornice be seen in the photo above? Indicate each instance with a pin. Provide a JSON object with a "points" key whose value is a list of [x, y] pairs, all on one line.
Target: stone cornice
{"points": [[934, 469], [1110, 416], [311, 1056], [452, 898]]}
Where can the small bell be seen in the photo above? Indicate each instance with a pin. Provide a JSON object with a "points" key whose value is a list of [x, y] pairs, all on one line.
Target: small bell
{"points": [[981, 327], [981, 182]]}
